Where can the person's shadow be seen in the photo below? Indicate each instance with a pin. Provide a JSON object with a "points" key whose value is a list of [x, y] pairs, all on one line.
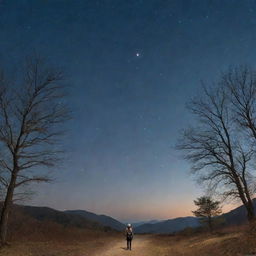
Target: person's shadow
{"points": [[124, 248]]}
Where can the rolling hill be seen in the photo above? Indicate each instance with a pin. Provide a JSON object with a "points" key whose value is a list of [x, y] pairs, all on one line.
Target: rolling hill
{"points": [[75, 218], [236, 216], [59, 217], [102, 219], [137, 224], [169, 226], [89, 220]]}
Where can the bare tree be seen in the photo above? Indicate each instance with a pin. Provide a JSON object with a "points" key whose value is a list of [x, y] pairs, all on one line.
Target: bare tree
{"points": [[218, 149], [31, 118]]}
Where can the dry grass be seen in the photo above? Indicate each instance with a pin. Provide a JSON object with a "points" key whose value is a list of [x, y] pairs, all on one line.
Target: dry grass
{"points": [[29, 237], [53, 248], [102, 244], [228, 244], [72, 243], [33, 238]]}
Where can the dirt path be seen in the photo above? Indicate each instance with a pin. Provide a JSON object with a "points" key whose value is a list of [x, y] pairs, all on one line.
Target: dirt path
{"points": [[140, 246]]}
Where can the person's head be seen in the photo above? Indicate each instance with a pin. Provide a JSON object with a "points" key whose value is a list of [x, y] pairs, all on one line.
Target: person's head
{"points": [[129, 225]]}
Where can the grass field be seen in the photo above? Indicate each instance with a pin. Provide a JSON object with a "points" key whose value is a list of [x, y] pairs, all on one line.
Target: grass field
{"points": [[89, 243]]}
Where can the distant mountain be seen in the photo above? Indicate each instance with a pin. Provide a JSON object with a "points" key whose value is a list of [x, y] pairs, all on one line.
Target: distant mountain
{"points": [[102, 219], [63, 218], [84, 219], [169, 226], [237, 216], [136, 224]]}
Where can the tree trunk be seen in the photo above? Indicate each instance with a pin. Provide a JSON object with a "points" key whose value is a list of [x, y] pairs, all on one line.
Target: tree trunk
{"points": [[6, 210], [250, 211], [245, 198], [210, 223], [249, 206]]}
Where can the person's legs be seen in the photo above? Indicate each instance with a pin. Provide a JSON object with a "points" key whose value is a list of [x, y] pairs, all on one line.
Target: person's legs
{"points": [[127, 244]]}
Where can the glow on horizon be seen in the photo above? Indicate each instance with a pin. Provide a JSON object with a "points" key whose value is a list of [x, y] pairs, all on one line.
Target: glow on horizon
{"points": [[183, 210], [136, 211]]}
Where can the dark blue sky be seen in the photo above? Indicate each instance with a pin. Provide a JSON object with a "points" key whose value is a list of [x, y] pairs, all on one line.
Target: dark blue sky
{"points": [[128, 109]]}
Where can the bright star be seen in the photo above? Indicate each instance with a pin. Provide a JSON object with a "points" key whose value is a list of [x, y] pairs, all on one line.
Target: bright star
{"points": [[137, 54]]}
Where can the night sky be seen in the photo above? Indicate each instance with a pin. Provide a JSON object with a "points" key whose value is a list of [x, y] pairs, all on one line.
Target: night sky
{"points": [[131, 67]]}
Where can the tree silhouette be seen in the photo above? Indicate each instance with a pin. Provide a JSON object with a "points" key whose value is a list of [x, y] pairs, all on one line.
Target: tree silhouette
{"points": [[207, 209], [221, 145], [31, 118]]}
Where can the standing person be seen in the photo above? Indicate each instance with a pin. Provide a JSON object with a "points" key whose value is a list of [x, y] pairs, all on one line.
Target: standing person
{"points": [[129, 236]]}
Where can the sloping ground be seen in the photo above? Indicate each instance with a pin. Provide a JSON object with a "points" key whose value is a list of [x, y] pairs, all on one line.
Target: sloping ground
{"points": [[238, 216], [31, 237], [81, 247], [230, 244]]}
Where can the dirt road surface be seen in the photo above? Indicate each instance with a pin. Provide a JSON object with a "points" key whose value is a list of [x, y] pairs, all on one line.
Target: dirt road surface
{"points": [[140, 247]]}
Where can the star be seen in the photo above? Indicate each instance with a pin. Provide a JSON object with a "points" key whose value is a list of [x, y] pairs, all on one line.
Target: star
{"points": [[137, 54]]}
